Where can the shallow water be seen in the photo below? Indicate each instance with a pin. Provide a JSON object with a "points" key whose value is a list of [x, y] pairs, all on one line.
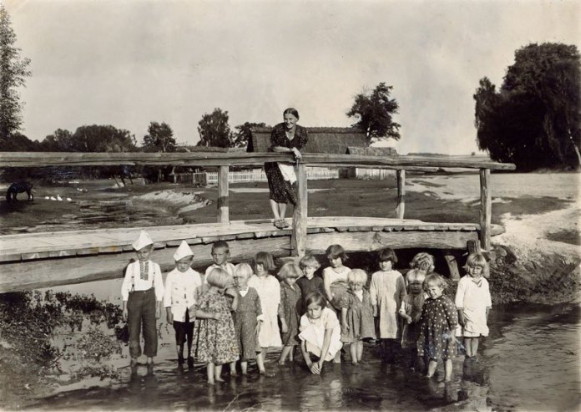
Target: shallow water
{"points": [[529, 362]]}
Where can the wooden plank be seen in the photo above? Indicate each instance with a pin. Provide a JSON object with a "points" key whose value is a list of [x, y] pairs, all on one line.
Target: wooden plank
{"points": [[452, 267], [400, 206], [485, 209], [300, 214], [223, 193]]}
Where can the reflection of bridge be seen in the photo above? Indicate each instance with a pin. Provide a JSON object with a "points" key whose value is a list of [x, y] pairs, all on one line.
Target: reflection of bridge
{"points": [[46, 259]]}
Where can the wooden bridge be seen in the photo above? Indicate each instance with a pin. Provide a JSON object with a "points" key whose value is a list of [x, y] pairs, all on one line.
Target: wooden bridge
{"points": [[46, 259]]}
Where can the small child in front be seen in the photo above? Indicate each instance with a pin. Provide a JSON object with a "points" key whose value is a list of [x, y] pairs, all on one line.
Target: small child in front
{"points": [[215, 342], [411, 311], [356, 315], [387, 290], [179, 300], [473, 302], [309, 283], [320, 333], [248, 318], [437, 341], [289, 309], [142, 293]]}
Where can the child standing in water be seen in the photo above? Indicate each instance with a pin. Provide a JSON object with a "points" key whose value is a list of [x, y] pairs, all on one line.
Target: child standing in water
{"points": [[411, 311], [356, 315], [438, 323], [387, 291], [289, 309], [335, 275], [180, 291], [421, 265], [320, 333], [215, 342], [309, 283], [247, 320], [142, 293], [473, 302]]}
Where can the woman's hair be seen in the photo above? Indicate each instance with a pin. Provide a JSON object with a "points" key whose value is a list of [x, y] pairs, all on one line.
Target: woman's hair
{"points": [[357, 276], [309, 261], [317, 298], [293, 111], [387, 254], [266, 260], [436, 279], [218, 278], [423, 261], [243, 269], [476, 259], [220, 244], [289, 270], [336, 251]]}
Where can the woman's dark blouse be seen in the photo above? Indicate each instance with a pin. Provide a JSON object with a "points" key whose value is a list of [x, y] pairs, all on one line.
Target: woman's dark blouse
{"points": [[278, 137]]}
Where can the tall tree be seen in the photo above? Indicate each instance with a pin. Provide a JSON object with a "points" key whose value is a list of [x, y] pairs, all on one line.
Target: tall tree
{"points": [[534, 120], [243, 134], [214, 129], [159, 138], [60, 141], [374, 112], [99, 138], [13, 72]]}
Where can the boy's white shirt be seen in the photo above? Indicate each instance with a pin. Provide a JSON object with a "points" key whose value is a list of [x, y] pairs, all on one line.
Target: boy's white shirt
{"points": [[180, 292], [133, 281], [228, 267]]}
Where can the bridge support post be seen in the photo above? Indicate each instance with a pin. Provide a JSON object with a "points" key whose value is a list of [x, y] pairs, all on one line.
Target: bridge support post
{"points": [[485, 209], [400, 208], [223, 192], [299, 235]]}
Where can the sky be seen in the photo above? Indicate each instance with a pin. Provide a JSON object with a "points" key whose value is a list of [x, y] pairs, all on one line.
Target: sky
{"points": [[130, 62]]}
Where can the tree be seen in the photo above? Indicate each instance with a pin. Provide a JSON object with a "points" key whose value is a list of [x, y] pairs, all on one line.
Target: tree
{"points": [[98, 138], [13, 71], [243, 135], [214, 130], [159, 138], [60, 141], [374, 112], [19, 143], [534, 120]]}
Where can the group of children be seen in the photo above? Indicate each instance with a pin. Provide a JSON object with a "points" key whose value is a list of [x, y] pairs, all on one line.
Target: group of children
{"points": [[233, 313]]}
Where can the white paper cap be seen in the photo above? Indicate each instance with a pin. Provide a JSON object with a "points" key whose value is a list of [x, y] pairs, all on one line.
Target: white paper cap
{"points": [[142, 241], [183, 251]]}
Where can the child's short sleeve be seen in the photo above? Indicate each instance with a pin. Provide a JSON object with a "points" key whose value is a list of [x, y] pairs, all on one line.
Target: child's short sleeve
{"points": [[330, 320]]}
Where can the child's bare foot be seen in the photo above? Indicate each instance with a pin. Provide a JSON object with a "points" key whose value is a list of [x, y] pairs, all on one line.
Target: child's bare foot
{"points": [[219, 380], [262, 371], [211, 382], [281, 362], [244, 373], [233, 374]]}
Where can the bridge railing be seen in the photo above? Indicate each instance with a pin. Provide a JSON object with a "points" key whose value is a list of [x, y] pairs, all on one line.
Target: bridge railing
{"points": [[223, 160]]}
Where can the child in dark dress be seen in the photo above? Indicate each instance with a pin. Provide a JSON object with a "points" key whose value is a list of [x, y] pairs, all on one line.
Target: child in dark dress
{"points": [[289, 309], [309, 283]]}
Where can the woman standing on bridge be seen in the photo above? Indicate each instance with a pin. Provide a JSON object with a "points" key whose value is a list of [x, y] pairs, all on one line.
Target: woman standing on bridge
{"points": [[286, 137]]}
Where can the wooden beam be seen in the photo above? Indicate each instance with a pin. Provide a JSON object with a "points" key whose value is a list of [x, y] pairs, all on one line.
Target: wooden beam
{"points": [[452, 267], [485, 209], [400, 208], [299, 237], [223, 193]]}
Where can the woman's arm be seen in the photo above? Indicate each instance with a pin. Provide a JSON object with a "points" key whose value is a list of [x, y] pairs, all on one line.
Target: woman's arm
{"points": [[201, 314]]}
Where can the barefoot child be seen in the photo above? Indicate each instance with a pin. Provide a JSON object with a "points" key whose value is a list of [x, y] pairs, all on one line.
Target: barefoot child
{"points": [[437, 327], [411, 311], [215, 342], [335, 275], [421, 265], [387, 291], [320, 333], [473, 302], [289, 309], [247, 320], [356, 315], [220, 256], [309, 283], [180, 291], [142, 292]]}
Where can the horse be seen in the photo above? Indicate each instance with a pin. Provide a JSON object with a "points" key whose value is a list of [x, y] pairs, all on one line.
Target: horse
{"points": [[19, 187]]}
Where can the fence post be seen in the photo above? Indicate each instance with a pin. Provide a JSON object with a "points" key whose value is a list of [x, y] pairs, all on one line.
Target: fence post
{"points": [[485, 209], [223, 189], [299, 235], [400, 208]]}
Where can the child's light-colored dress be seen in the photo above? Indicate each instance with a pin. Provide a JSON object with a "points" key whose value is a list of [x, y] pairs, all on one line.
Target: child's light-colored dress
{"points": [[411, 305], [290, 307], [246, 317], [473, 298], [387, 291], [359, 316], [313, 333], [437, 328], [337, 282], [414, 275], [215, 340], [268, 289]]}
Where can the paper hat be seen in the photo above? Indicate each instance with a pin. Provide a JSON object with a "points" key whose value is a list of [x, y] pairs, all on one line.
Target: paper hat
{"points": [[142, 241], [183, 251]]}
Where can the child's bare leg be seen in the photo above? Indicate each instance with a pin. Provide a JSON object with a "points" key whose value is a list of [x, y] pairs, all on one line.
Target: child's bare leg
{"points": [[291, 354], [233, 369], [218, 373], [353, 353], [431, 368], [284, 354], [244, 367], [210, 372], [475, 346], [260, 362], [337, 358], [448, 367], [359, 350]]}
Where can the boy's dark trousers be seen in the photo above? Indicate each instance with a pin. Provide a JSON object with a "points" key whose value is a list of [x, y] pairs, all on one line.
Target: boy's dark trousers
{"points": [[141, 307]]}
